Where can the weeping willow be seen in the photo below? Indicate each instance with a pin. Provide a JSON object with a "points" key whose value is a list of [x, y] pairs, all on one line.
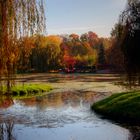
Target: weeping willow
{"points": [[18, 19], [130, 41]]}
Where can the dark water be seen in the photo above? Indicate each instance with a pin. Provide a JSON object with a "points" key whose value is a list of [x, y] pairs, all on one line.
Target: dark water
{"points": [[58, 116]]}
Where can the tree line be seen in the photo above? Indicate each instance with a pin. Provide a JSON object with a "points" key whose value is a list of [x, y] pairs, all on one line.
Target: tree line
{"points": [[40, 53], [24, 47]]}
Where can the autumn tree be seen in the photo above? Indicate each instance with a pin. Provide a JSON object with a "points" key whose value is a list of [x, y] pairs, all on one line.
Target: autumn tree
{"points": [[93, 39], [74, 37], [18, 18], [46, 55], [25, 49], [84, 37], [114, 55], [79, 49]]}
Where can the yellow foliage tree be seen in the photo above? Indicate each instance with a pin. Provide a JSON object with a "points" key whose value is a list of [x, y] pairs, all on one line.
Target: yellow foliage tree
{"points": [[18, 18]]}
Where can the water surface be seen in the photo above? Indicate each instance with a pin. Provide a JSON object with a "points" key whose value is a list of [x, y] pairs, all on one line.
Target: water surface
{"points": [[57, 116]]}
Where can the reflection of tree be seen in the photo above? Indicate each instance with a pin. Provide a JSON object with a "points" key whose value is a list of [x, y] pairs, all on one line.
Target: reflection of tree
{"points": [[135, 132], [6, 131], [6, 101], [51, 100], [56, 100]]}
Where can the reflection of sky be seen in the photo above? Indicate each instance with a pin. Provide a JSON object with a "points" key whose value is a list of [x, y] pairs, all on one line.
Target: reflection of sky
{"points": [[63, 116], [77, 131], [80, 16], [56, 109]]}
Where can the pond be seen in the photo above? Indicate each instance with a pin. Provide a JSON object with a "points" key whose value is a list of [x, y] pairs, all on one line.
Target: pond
{"points": [[58, 116], [64, 114]]}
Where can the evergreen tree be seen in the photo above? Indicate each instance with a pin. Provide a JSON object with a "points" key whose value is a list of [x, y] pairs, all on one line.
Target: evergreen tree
{"points": [[101, 54]]}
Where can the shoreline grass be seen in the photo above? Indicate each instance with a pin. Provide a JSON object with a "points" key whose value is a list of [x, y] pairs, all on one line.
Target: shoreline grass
{"points": [[28, 89], [124, 107]]}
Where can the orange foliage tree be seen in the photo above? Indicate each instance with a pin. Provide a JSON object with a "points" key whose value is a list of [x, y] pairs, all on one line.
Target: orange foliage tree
{"points": [[18, 18], [46, 54]]}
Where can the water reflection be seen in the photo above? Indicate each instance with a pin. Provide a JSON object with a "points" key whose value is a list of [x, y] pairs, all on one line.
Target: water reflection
{"points": [[135, 130], [5, 102], [6, 131], [58, 100], [67, 114]]}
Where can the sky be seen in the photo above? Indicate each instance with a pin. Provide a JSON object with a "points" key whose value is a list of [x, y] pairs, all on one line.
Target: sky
{"points": [[81, 16]]}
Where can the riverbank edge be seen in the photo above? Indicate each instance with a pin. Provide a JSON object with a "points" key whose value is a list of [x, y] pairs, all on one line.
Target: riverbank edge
{"points": [[121, 107]]}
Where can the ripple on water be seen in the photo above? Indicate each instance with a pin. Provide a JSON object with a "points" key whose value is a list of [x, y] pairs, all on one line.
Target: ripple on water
{"points": [[68, 115]]}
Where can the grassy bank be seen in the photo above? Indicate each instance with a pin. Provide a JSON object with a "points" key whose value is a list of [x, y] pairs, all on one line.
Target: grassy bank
{"points": [[123, 107], [29, 89]]}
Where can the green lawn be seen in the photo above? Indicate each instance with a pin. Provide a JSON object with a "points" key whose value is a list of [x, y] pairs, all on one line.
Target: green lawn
{"points": [[28, 89], [122, 106]]}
